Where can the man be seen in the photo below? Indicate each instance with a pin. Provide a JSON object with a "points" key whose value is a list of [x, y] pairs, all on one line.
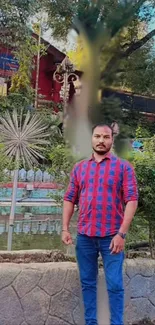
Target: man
{"points": [[103, 186]]}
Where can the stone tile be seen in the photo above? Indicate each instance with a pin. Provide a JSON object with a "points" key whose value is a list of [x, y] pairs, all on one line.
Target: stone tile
{"points": [[72, 282], [142, 286], [8, 274], [152, 298], [26, 281], [137, 310], [36, 306], [152, 314], [138, 266], [53, 280], [11, 312], [127, 295], [55, 321], [77, 315], [126, 279], [63, 304]]}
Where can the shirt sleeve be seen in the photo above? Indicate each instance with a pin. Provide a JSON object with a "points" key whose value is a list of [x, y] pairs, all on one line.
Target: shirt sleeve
{"points": [[130, 187], [73, 188]]}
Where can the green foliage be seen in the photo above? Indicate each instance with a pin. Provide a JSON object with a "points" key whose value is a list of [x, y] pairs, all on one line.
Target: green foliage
{"points": [[139, 231], [27, 51], [134, 122], [62, 161], [5, 165], [18, 101], [139, 72], [145, 169], [142, 132], [60, 16], [13, 20]]}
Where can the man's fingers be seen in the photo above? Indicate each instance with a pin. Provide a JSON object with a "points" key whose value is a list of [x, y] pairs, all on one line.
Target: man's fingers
{"points": [[111, 244], [67, 239], [117, 249], [117, 245], [114, 249]]}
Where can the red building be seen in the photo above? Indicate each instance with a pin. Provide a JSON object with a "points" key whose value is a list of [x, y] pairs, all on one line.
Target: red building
{"points": [[48, 88]]}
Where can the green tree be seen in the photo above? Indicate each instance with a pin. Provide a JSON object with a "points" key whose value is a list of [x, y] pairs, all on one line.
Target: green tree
{"points": [[102, 19], [62, 16], [26, 54], [14, 17]]}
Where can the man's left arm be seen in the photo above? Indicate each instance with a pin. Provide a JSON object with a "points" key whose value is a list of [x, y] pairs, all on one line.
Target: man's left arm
{"points": [[130, 195], [129, 213]]}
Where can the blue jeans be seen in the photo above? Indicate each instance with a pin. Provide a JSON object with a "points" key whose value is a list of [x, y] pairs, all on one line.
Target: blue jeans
{"points": [[87, 252]]}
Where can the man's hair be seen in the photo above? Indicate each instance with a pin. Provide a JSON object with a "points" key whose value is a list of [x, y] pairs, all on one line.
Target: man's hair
{"points": [[102, 124]]}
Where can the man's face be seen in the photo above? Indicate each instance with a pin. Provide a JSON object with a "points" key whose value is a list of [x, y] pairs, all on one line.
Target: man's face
{"points": [[102, 140]]}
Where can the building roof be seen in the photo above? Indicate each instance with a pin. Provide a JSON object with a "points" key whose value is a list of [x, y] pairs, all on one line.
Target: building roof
{"points": [[139, 103], [50, 48], [59, 56]]}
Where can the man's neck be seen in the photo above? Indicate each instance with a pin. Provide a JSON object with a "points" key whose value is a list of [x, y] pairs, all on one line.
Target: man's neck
{"points": [[98, 157]]}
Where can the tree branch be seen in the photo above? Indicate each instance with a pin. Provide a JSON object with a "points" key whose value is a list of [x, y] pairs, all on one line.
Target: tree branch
{"points": [[135, 46], [122, 55]]}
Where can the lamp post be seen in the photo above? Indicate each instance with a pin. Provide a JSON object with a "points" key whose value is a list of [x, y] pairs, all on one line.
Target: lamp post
{"points": [[65, 75]]}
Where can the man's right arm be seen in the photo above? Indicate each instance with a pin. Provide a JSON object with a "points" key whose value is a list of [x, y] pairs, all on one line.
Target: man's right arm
{"points": [[70, 198], [68, 210]]}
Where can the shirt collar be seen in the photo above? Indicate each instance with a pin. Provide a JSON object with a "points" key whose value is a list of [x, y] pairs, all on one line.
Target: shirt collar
{"points": [[107, 156]]}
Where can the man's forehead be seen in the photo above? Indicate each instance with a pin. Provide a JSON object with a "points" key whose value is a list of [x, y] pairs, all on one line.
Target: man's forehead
{"points": [[102, 130]]}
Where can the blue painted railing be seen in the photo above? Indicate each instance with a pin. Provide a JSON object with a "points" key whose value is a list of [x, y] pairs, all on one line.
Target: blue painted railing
{"points": [[33, 176]]}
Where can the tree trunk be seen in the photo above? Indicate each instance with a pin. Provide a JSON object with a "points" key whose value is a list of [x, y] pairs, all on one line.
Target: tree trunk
{"points": [[12, 212]]}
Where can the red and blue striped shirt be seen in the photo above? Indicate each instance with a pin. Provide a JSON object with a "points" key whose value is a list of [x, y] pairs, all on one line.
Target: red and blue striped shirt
{"points": [[101, 191]]}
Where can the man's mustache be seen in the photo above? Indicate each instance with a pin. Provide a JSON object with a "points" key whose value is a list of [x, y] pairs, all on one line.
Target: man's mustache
{"points": [[100, 145]]}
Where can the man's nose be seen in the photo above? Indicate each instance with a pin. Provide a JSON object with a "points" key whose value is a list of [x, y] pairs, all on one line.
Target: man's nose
{"points": [[101, 140]]}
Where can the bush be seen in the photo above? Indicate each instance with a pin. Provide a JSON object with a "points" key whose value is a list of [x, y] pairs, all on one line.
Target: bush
{"points": [[145, 169]]}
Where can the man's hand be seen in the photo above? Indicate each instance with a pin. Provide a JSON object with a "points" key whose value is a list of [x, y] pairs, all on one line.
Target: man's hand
{"points": [[117, 245], [66, 238]]}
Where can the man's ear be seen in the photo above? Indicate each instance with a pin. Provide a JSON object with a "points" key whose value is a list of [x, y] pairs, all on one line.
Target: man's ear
{"points": [[115, 128]]}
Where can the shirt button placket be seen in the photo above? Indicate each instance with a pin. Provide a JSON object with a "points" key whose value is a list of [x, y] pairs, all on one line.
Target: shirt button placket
{"points": [[95, 186]]}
